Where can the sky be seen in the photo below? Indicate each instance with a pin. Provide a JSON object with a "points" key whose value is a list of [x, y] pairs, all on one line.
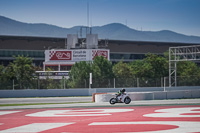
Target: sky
{"points": [[181, 16]]}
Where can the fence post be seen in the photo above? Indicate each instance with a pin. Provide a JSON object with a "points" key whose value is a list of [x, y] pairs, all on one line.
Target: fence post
{"points": [[38, 83], [85, 82], [90, 81], [138, 84], [13, 84], [164, 83], [161, 82], [114, 82], [64, 83], [109, 84]]}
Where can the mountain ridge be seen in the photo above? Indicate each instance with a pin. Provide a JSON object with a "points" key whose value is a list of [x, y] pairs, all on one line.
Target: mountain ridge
{"points": [[113, 31]]}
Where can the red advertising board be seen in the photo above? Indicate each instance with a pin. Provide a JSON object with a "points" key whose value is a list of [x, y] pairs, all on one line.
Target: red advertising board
{"points": [[103, 53], [60, 55]]}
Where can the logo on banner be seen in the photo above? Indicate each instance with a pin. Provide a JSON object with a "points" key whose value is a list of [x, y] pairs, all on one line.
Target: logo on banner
{"points": [[60, 55], [99, 53]]}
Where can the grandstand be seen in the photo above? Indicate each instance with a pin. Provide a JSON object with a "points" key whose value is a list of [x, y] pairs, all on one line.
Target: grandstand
{"points": [[35, 47]]}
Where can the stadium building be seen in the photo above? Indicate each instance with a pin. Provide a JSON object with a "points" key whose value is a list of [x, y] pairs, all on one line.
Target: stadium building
{"points": [[36, 47]]}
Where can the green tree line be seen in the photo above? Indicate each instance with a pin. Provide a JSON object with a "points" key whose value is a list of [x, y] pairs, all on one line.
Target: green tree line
{"points": [[20, 70], [148, 70]]}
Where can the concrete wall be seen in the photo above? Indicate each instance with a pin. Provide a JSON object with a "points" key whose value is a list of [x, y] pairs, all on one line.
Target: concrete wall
{"points": [[88, 92], [43, 93], [157, 95]]}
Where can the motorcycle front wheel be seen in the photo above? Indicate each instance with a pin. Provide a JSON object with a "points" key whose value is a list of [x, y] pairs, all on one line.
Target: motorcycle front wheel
{"points": [[112, 100], [127, 100]]}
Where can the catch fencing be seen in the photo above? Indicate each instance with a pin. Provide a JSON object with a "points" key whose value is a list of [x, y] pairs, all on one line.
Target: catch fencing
{"points": [[63, 83]]}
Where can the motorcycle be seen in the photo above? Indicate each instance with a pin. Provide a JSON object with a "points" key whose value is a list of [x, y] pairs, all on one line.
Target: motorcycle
{"points": [[125, 99]]}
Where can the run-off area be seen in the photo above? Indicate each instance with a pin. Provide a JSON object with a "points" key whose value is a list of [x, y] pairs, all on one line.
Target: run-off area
{"points": [[145, 119]]}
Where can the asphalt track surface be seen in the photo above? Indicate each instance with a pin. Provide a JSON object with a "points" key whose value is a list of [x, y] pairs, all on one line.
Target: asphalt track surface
{"points": [[154, 116], [44, 100]]}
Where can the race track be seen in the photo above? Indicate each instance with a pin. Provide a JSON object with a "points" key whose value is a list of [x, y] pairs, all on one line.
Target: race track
{"points": [[109, 119]]}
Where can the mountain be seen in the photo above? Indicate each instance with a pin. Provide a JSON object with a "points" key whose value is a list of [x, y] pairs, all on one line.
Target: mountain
{"points": [[114, 31]]}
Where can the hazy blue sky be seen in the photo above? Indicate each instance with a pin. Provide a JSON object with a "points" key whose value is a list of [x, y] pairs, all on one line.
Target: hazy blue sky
{"points": [[182, 16]]}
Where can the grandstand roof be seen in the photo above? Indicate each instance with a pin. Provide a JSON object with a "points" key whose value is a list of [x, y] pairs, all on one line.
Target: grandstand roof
{"points": [[115, 46]]}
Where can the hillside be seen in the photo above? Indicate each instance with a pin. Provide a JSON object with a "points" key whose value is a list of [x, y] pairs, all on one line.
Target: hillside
{"points": [[114, 31]]}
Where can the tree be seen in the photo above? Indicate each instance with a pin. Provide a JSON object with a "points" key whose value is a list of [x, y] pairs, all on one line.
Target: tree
{"points": [[102, 72], [4, 78], [150, 70], [187, 68], [140, 69], [102, 68], [79, 74], [2, 72], [122, 70], [158, 66], [23, 70], [188, 73], [123, 75]]}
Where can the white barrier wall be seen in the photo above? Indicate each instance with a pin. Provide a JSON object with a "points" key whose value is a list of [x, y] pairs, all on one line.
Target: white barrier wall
{"points": [[152, 95], [132, 95], [103, 97], [141, 96]]}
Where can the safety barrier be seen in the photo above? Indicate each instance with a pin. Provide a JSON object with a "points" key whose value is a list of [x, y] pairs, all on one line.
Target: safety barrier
{"points": [[158, 92], [157, 95]]}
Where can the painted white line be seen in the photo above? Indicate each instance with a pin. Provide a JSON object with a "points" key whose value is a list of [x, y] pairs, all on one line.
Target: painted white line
{"points": [[8, 112], [34, 127], [183, 127], [84, 112], [176, 112]]}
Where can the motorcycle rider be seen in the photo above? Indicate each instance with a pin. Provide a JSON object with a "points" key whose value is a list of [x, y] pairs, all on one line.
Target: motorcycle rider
{"points": [[120, 94]]}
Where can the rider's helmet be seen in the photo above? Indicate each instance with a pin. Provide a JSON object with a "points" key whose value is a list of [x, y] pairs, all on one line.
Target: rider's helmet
{"points": [[123, 90]]}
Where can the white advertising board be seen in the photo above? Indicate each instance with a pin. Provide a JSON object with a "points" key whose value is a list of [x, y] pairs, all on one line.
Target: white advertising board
{"points": [[75, 55]]}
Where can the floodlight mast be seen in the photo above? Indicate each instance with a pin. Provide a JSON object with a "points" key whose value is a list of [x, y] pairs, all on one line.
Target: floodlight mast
{"points": [[182, 53]]}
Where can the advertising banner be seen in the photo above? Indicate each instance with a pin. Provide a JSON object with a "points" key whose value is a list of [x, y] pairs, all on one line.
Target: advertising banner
{"points": [[60, 55], [75, 55], [80, 55], [97, 52]]}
